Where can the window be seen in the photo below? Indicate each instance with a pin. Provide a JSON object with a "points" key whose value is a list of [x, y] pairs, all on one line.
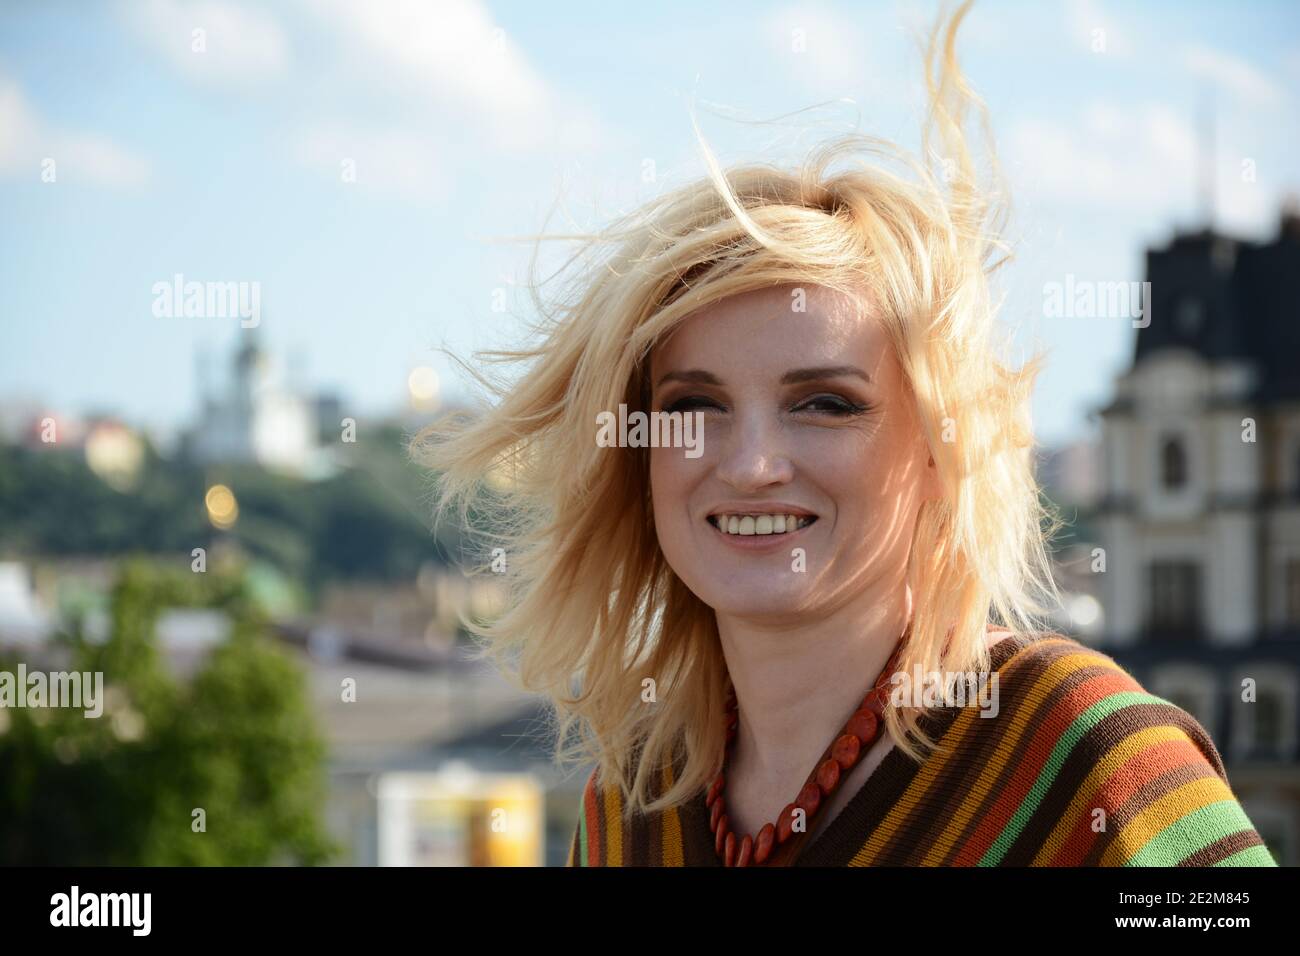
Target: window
{"points": [[1189, 315], [1291, 584], [1189, 702], [1263, 728], [1274, 820], [1268, 722], [1190, 686], [1174, 609], [1173, 463]]}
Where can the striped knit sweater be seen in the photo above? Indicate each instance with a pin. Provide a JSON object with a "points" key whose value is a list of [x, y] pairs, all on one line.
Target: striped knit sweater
{"points": [[1074, 733]]}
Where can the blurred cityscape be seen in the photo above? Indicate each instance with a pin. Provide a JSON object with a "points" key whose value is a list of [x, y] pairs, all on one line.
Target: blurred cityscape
{"points": [[1182, 560], [327, 524], [1197, 511]]}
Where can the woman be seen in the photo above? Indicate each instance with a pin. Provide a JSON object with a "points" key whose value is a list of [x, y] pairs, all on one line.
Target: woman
{"points": [[741, 622]]}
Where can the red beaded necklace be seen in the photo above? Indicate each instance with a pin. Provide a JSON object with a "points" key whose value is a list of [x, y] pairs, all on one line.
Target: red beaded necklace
{"points": [[777, 843]]}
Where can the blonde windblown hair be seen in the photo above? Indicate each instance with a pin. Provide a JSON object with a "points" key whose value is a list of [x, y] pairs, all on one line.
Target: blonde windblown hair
{"points": [[593, 609]]}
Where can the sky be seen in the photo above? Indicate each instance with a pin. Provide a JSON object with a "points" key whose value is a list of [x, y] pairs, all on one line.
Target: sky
{"points": [[377, 167]]}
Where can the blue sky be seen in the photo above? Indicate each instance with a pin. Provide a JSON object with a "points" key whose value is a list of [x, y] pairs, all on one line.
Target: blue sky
{"points": [[468, 122]]}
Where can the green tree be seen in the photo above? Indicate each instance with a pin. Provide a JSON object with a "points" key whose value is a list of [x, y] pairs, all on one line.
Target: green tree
{"points": [[237, 741], [370, 521]]}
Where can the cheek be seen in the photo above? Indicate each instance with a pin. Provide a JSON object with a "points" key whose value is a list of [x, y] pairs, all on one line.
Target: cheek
{"points": [[844, 464], [670, 488], [865, 473], [669, 483]]}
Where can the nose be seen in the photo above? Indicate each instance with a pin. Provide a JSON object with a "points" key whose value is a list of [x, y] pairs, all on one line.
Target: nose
{"points": [[754, 453]]}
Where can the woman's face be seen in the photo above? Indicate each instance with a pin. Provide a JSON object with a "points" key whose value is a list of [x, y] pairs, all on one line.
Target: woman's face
{"points": [[805, 413]]}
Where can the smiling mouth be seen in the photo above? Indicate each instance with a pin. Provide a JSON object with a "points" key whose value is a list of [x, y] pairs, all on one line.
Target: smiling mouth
{"points": [[759, 524]]}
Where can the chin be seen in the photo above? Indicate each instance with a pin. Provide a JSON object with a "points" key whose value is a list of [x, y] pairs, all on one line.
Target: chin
{"points": [[754, 600]]}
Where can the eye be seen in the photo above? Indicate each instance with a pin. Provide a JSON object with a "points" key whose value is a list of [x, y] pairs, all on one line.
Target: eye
{"points": [[691, 401], [834, 405]]}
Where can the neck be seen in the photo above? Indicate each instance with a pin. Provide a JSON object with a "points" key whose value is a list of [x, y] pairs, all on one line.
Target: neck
{"points": [[797, 683]]}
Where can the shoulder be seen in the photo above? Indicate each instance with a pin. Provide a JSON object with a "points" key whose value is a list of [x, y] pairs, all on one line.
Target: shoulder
{"points": [[1064, 674], [587, 846], [607, 834], [1079, 699], [1111, 774]]}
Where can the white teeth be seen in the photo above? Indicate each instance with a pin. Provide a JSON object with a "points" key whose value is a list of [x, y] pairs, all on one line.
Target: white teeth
{"points": [[760, 523]]}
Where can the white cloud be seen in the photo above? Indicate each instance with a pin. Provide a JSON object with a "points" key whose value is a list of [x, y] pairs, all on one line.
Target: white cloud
{"points": [[824, 50], [1112, 155], [1131, 157], [388, 162], [1095, 30], [27, 142], [453, 53], [1233, 74], [211, 41]]}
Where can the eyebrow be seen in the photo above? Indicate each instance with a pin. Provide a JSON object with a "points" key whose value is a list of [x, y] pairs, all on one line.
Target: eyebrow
{"points": [[699, 376]]}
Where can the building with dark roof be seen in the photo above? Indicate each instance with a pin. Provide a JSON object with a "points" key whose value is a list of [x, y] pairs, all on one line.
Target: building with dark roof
{"points": [[1199, 510]]}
